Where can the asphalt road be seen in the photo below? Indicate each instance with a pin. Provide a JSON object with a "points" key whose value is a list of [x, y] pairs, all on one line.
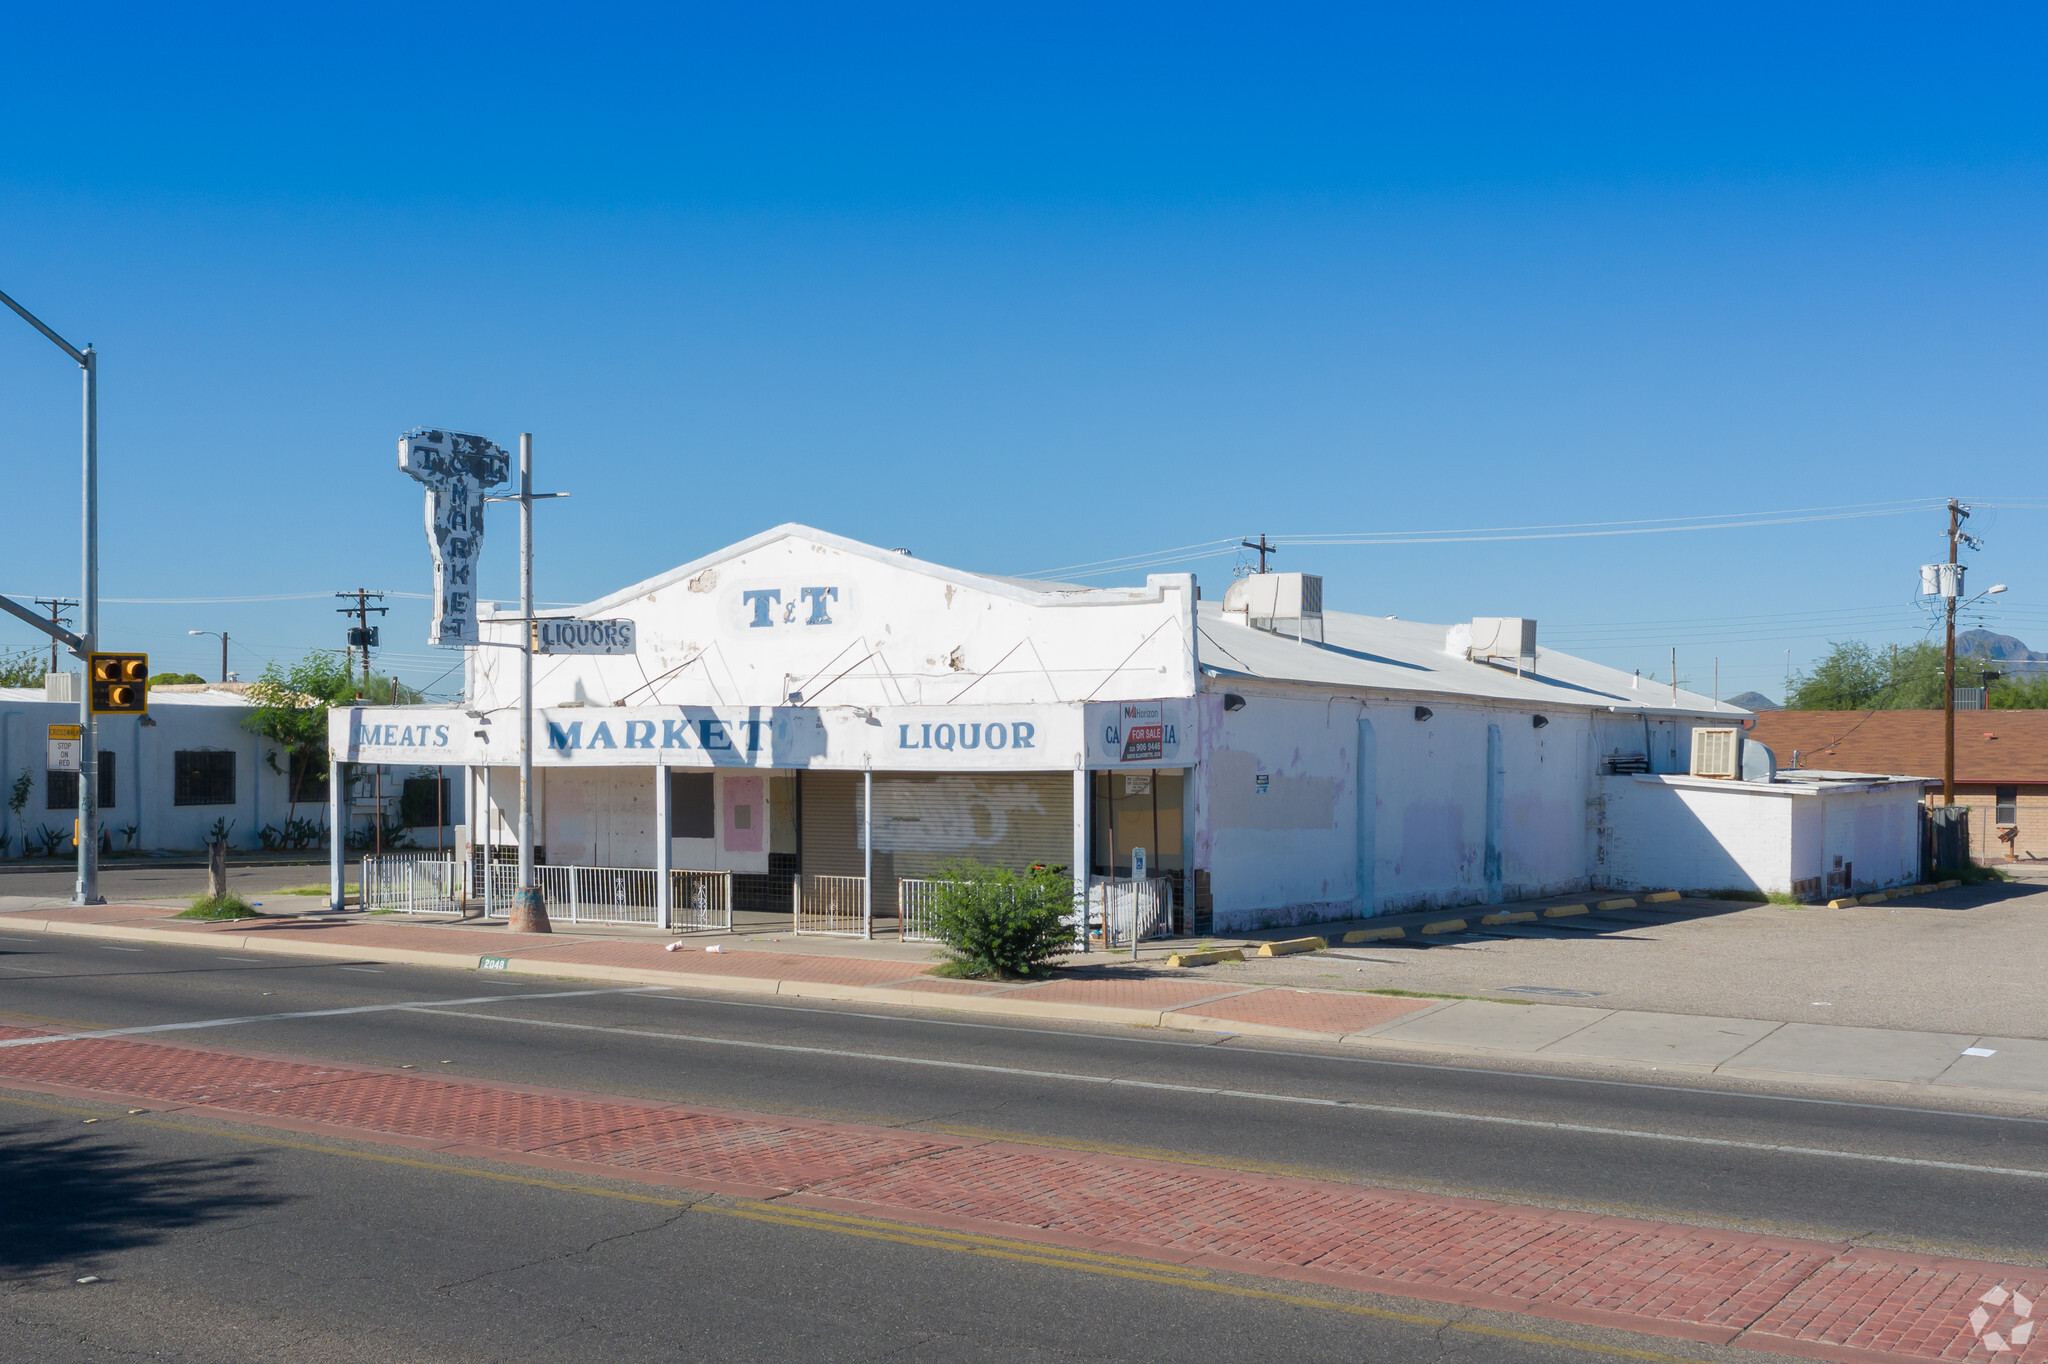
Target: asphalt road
{"points": [[131, 882], [307, 1242]]}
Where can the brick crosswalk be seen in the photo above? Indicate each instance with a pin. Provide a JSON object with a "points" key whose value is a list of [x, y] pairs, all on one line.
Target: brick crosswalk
{"points": [[1776, 1293]]}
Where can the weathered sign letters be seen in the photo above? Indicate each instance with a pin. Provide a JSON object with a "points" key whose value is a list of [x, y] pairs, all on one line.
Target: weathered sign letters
{"points": [[456, 469]]}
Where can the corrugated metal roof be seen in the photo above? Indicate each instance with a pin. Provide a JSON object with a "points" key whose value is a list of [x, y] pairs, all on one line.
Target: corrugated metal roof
{"points": [[1375, 654]]}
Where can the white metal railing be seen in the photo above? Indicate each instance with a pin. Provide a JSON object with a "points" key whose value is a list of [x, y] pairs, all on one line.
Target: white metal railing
{"points": [[610, 895], [415, 883], [914, 902], [700, 899], [835, 905], [1119, 906]]}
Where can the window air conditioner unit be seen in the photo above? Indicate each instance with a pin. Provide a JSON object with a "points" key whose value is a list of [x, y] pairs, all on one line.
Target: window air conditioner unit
{"points": [[1717, 753]]}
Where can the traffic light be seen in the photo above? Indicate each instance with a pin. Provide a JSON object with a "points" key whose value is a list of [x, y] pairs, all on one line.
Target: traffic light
{"points": [[120, 683]]}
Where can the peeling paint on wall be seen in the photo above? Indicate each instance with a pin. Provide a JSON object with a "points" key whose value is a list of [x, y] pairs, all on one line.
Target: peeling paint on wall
{"points": [[1246, 798]]}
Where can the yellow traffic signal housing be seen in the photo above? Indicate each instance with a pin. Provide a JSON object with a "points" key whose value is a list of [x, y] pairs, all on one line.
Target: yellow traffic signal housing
{"points": [[120, 683]]}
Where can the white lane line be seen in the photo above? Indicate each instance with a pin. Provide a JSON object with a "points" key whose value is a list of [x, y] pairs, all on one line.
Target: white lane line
{"points": [[308, 1013], [257, 960], [1239, 1047], [105, 948], [17, 940], [371, 969], [32, 970], [1255, 1096]]}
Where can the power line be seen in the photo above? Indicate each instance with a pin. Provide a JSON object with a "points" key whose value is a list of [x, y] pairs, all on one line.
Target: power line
{"points": [[1476, 534]]}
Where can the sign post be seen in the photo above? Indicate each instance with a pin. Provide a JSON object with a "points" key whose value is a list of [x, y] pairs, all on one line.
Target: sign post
{"points": [[456, 469]]}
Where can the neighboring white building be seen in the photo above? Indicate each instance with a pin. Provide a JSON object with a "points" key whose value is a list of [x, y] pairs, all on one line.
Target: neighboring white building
{"points": [[1279, 763], [168, 776]]}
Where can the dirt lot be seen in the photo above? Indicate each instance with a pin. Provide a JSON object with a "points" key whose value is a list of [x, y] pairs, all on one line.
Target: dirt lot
{"points": [[1971, 960]]}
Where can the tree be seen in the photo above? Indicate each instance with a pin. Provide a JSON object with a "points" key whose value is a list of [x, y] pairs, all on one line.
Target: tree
{"points": [[1854, 676], [288, 706], [1850, 677], [24, 669], [175, 679], [2020, 691]]}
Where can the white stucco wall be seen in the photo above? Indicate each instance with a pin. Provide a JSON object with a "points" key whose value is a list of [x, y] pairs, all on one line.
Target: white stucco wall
{"points": [[144, 770], [1290, 854], [1690, 833]]}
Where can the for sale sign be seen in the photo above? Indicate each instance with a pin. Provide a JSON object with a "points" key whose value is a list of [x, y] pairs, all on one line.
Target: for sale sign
{"points": [[1144, 731]]}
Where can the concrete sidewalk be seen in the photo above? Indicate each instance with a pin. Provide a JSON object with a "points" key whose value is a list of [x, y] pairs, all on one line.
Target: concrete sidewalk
{"points": [[1111, 990]]}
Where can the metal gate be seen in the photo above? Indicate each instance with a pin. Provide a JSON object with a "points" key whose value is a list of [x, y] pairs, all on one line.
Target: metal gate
{"points": [[1121, 906], [914, 897], [411, 884], [834, 905], [699, 900]]}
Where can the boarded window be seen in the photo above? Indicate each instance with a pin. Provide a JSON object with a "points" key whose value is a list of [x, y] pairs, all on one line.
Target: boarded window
{"points": [[203, 777], [691, 811], [61, 793]]}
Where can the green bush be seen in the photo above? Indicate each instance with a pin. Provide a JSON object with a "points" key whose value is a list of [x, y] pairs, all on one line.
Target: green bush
{"points": [[228, 906], [996, 922]]}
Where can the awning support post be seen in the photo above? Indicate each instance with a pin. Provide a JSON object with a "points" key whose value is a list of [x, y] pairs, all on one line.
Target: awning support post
{"points": [[664, 853]]}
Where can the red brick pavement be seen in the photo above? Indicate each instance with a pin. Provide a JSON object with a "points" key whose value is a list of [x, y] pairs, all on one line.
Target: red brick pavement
{"points": [[1129, 993], [757, 965], [1309, 1010], [939, 986], [1774, 1293]]}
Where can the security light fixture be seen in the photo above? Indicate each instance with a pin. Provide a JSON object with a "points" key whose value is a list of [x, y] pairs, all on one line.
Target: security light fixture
{"points": [[1423, 713], [1539, 721], [1232, 701]]}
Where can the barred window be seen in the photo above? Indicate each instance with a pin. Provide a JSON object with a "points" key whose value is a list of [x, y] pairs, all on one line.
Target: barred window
{"points": [[203, 777], [62, 787]]}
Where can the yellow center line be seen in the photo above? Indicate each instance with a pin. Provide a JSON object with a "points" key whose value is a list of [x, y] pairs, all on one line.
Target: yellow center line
{"points": [[905, 1233]]}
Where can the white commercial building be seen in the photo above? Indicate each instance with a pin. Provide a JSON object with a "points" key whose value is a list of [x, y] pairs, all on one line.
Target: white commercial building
{"points": [[165, 779], [170, 778], [803, 705]]}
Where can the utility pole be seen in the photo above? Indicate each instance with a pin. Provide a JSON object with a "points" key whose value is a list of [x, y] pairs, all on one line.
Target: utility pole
{"points": [[361, 611], [1263, 548], [57, 618], [1957, 512]]}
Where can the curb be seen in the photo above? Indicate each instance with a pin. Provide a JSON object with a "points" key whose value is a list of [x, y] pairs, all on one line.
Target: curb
{"points": [[1293, 945]]}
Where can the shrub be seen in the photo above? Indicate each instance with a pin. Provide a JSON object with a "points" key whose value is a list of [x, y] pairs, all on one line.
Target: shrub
{"points": [[228, 906], [996, 922]]}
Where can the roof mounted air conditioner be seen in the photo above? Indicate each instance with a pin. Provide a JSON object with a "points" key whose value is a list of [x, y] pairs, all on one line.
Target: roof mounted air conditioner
{"points": [[1284, 603], [1510, 639]]}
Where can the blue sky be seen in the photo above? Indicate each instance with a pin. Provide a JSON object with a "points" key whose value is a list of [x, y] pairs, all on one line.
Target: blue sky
{"points": [[1029, 287]]}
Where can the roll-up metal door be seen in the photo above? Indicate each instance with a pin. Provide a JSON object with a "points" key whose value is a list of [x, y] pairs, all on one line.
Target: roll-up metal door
{"points": [[1003, 819]]}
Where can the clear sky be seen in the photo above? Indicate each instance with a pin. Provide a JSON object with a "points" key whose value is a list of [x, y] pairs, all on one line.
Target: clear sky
{"points": [[1024, 287]]}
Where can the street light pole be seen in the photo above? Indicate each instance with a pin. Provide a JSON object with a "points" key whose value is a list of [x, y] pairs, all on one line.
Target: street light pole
{"points": [[223, 648], [82, 644], [525, 662]]}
